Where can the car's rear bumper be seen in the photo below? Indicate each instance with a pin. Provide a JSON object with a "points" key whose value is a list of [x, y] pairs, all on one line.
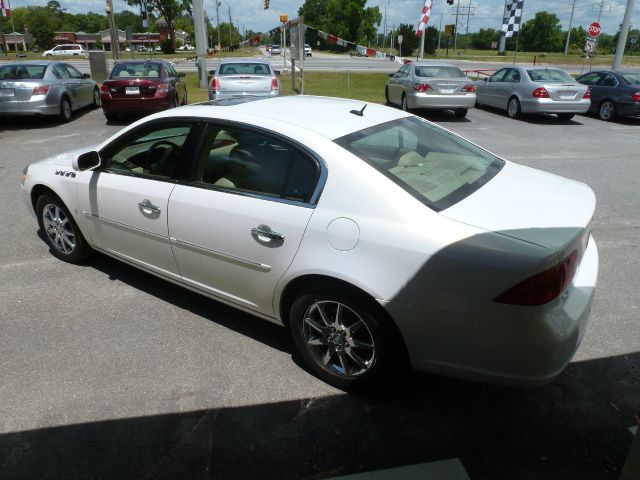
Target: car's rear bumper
{"points": [[135, 104], [441, 102], [228, 95], [41, 105], [527, 346], [547, 105]]}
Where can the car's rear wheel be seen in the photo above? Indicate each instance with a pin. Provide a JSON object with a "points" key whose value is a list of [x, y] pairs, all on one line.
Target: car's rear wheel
{"points": [[65, 109], [342, 339], [96, 98], [60, 230], [513, 108], [461, 112], [607, 111], [566, 116], [405, 104]]}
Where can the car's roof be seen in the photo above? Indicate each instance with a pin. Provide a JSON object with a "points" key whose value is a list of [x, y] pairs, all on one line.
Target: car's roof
{"points": [[327, 116], [434, 64], [32, 62], [244, 60], [140, 61]]}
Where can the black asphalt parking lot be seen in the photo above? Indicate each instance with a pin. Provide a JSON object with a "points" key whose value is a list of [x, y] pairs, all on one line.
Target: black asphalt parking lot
{"points": [[110, 373]]}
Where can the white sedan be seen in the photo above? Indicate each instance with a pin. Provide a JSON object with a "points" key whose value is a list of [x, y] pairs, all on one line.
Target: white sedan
{"points": [[375, 236]]}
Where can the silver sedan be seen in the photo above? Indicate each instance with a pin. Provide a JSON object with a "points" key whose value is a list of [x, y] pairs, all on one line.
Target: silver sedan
{"points": [[435, 86], [45, 88], [243, 77], [521, 90]]}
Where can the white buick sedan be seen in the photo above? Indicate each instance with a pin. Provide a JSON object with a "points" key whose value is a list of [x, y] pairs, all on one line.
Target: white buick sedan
{"points": [[375, 236]]}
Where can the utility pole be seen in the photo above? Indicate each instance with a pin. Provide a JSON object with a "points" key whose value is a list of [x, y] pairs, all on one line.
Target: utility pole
{"points": [[566, 45], [455, 39], [440, 31], [201, 41], [622, 39], [230, 27], [466, 33], [218, 17], [113, 29]]}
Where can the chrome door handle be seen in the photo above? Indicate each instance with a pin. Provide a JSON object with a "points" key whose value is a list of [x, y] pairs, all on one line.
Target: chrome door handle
{"points": [[265, 234], [149, 208]]}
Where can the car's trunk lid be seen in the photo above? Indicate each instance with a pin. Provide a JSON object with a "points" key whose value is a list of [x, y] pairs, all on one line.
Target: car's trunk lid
{"points": [[566, 92], [17, 90], [132, 88], [445, 86], [532, 206], [245, 83]]}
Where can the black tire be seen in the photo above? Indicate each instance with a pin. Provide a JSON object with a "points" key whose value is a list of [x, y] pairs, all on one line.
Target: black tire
{"points": [[513, 108], [65, 110], [111, 116], [97, 101], [175, 102], [386, 96], [461, 112], [334, 336], [404, 104], [607, 110], [565, 116], [61, 232]]}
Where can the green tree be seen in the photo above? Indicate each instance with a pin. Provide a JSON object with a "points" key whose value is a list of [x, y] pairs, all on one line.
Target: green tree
{"points": [[42, 25], [542, 34], [127, 18], [170, 10], [410, 41], [481, 40]]}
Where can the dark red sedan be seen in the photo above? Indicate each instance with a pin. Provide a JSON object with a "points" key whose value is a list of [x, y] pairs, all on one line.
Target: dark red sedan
{"points": [[142, 87]]}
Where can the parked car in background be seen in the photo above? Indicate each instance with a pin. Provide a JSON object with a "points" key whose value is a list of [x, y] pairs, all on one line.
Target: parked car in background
{"points": [[373, 235], [534, 90], [613, 93], [142, 86], [45, 88], [186, 48], [70, 49], [267, 47], [275, 50], [157, 48], [243, 76], [435, 86], [307, 50]]}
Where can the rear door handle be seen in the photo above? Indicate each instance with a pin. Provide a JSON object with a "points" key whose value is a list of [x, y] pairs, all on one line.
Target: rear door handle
{"points": [[264, 233]]}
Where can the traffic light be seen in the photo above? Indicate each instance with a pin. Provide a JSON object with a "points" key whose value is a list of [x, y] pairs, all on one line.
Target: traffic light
{"points": [[266, 4]]}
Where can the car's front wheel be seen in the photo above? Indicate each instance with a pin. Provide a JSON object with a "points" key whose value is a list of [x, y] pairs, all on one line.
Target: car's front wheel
{"points": [[342, 339], [60, 230]]}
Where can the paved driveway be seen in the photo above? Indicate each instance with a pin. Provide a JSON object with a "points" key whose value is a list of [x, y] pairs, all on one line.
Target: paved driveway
{"points": [[108, 372]]}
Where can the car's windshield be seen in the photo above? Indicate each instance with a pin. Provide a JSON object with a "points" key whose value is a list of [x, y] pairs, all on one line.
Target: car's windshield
{"points": [[127, 70], [549, 75], [439, 72], [22, 72], [433, 165], [631, 78], [244, 69]]}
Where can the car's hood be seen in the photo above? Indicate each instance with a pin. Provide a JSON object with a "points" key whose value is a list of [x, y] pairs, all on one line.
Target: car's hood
{"points": [[530, 205], [65, 159]]}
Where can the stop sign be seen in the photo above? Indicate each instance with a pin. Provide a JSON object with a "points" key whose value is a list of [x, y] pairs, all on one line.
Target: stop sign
{"points": [[594, 29]]}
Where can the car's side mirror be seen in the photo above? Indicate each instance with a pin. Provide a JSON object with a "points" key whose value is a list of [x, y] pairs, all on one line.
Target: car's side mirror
{"points": [[212, 72], [485, 79], [277, 72], [181, 74], [86, 161], [86, 75], [391, 75]]}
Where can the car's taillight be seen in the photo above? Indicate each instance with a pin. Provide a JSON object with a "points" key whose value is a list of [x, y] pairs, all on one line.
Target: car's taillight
{"points": [[274, 84], [543, 287], [422, 87], [587, 94], [469, 88], [635, 97], [104, 90], [540, 92], [41, 90], [162, 88], [215, 84]]}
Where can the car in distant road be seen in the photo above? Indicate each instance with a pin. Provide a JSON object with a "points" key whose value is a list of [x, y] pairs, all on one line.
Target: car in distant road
{"points": [[307, 50], [66, 49], [536, 90], [186, 48], [275, 50], [243, 77], [430, 85], [45, 88], [142, 86], [613, 93], [379, 239]]}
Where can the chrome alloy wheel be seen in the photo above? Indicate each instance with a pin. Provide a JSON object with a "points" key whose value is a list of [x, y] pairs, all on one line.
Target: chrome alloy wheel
{"points": [[607, 110], [513, 109], [58, 229], [338, 339]]}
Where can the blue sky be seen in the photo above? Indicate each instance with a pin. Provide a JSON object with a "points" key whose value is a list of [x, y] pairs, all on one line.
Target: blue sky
{"points": [[488, 13]]}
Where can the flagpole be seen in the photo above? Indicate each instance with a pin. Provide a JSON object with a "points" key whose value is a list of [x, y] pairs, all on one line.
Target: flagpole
{"points": [[422, 44], [515, 53]]}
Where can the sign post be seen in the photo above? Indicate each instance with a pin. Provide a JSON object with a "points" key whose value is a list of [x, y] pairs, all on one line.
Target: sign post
{"points": [[592, 41], [400, 44]]}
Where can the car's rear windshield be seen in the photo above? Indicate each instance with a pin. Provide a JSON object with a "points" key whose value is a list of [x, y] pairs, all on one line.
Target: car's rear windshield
{"points": [[22, 72], [244, 69], [549, 75], [439, 72], [631, 78], [435, 166], [136, 70]]}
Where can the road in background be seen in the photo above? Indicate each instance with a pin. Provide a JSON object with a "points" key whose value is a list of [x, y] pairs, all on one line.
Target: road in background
{"points": [[108, 372]]}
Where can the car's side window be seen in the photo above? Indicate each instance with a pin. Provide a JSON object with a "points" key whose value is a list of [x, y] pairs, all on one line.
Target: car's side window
{"points": [[170, 70], [498, 76], [590, 79], [73, 72], [607, 80], [60, 72], [246, 161], [512, 76], [154, 152]]}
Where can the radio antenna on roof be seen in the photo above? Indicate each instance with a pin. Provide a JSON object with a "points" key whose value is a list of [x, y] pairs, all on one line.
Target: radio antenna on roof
{"points": [[359, 113]]}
